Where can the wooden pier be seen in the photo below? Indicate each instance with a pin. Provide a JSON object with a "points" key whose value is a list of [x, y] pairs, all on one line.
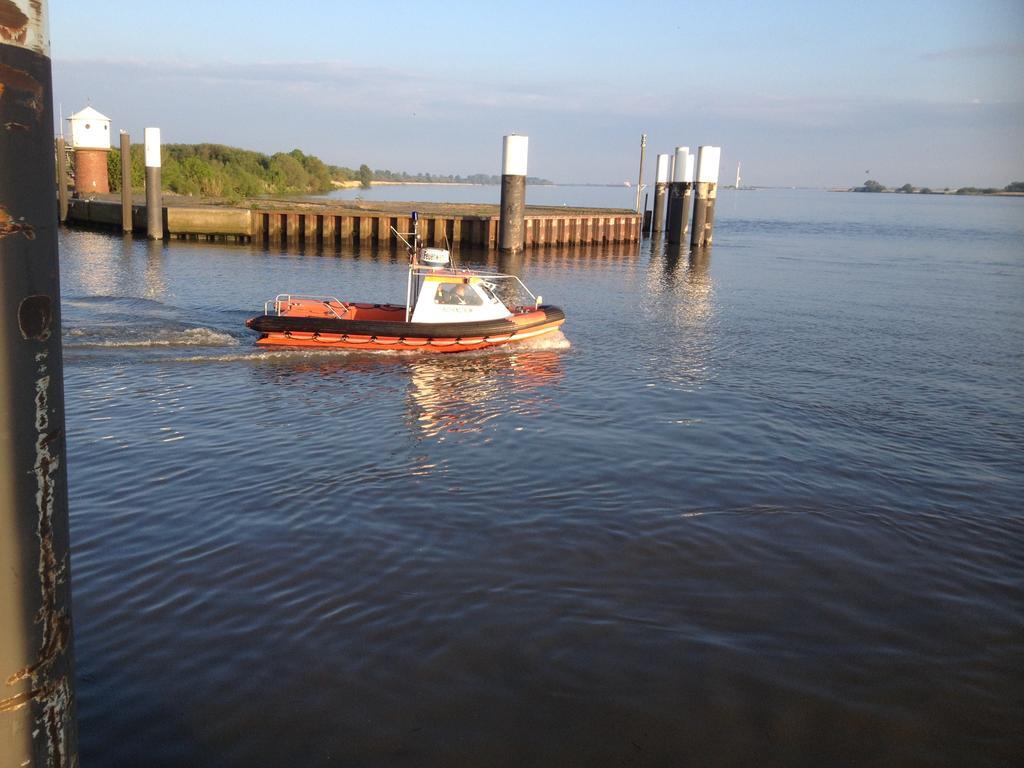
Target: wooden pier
{"points": [[332, 223]]}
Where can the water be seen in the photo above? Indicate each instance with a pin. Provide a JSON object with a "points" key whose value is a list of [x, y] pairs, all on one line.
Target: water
{"points": [[760, 506]]}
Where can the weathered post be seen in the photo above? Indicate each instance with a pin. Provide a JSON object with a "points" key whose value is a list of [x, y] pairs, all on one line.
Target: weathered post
{"points": [[154, 199], [704, 202], [514, 150], [37, 705], [62, 181], [679, 192], [660, 192], [126, 182]]}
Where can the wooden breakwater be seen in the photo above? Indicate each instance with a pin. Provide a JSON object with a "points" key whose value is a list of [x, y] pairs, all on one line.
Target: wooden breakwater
{"points": [[328, 223]]}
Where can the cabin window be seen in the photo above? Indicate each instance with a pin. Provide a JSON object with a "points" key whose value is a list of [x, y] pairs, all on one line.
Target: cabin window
{"points": [[459, 294]]}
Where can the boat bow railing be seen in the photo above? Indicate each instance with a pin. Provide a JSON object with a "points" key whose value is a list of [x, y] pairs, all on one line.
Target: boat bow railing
{"points": [[286, 298]]}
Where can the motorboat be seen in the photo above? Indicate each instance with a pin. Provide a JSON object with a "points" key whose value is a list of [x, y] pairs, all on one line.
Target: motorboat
{"points": [[447, 309]]}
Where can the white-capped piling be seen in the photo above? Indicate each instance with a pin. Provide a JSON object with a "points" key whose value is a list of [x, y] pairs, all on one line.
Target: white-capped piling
{"points": [[661, 181], [37, 677], [511, 232], [126, 182], [708, 159], [154, 198], [679, 193]]}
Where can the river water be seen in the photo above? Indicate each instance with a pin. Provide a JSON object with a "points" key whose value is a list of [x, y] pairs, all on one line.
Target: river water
{"points": [[758, 506]]}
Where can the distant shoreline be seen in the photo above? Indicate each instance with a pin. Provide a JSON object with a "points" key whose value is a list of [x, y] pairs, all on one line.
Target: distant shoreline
{"points": [[354, 184], [950, 193]]}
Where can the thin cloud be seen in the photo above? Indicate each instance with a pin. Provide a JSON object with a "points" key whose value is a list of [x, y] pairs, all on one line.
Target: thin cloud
{"points": [[988, 51], [383, 89]]}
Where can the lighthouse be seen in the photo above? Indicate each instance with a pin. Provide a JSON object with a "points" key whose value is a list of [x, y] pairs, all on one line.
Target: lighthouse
{"points": [[90, 140]]}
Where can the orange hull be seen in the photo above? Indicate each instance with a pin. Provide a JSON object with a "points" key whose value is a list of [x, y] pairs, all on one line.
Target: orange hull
{"points": [[324, 340]]}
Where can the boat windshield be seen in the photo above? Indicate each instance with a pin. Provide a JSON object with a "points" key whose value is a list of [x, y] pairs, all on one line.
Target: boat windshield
{"points": [[456, 293], [485, 289]]}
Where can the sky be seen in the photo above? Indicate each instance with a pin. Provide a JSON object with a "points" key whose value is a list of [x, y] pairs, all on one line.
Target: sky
{"points": [[802, 93]]}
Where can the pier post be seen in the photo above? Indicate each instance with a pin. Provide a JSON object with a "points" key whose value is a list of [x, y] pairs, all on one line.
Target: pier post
{"points": [[707, 190], [126, 182], [62, 181], [37, 702], [154, 198], [514, 151], [660, 192], [679, 193]]}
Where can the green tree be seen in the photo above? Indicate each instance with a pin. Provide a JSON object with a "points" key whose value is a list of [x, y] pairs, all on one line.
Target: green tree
{"points": [[287, 174], [1014, 186], [365, 176], [114, 170], [908, 188]]}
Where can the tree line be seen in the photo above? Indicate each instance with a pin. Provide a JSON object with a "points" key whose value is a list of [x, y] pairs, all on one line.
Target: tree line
{"points": [[216, 170], [439, 178], [873, 186]]}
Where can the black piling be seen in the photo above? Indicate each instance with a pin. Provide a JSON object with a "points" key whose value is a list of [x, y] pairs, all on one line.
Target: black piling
{"points": [[37, 702], [679, 193], [512, 214], [708, 159]]}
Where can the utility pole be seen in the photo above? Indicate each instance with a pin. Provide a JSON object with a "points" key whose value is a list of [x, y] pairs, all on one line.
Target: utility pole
{"points": [[37, 702], [640, 181]]}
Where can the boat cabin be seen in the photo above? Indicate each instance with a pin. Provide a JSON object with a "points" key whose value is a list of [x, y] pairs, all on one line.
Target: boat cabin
{"points": [[438, 293], [455, 298]]}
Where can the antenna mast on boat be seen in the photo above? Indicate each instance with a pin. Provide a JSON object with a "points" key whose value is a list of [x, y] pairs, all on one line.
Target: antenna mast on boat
{"points": [[413, 252]]}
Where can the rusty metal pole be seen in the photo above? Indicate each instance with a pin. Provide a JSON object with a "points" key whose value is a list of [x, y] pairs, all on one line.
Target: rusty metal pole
{"points": [[154, 198], [37, 703], [126, 182], [62, 181], [512, 212], [707, 191]]}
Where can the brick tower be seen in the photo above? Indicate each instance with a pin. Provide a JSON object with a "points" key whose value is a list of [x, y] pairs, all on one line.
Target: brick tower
{"points": [[90, 139]]}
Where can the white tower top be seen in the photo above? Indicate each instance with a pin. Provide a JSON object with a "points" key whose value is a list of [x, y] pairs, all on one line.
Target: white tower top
{"points": [[89, 130], [679, 166], [708, 159], [663, 169], [514, 149]]}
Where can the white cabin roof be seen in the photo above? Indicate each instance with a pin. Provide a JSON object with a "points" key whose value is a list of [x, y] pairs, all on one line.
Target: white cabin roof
{"points": [[88, 113]]}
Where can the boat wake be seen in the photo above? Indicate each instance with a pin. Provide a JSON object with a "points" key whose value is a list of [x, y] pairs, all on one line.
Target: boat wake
{"points": [[556, 340], [121, 337]]}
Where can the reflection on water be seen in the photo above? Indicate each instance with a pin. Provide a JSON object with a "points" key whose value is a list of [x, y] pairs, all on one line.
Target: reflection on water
{"points": [[682, 293], [448, 394], [115, 265], [156, 288]]}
